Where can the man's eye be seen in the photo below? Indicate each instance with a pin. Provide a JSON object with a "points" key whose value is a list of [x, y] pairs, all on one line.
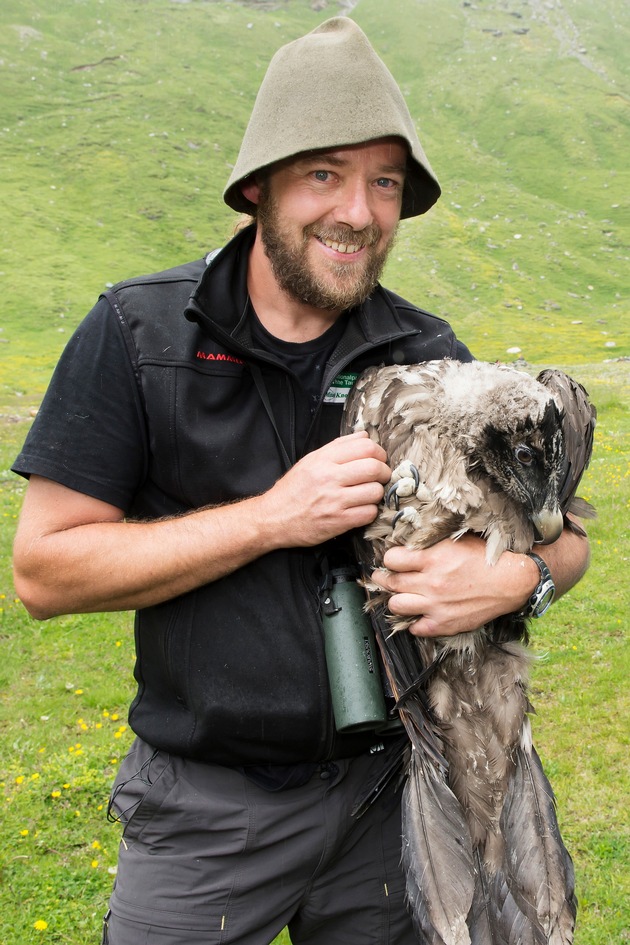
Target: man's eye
{"points": [[386, 182], [321, 175]]}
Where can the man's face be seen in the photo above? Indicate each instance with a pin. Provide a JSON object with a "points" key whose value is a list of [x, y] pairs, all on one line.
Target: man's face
{"points": [[328, 220]]}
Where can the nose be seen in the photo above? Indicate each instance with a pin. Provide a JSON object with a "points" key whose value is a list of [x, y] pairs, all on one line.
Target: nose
{"points": [[354, 206]]}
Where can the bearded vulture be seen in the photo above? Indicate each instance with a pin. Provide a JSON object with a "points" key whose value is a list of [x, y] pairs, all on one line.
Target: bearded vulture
{"points": [[487, 449]]}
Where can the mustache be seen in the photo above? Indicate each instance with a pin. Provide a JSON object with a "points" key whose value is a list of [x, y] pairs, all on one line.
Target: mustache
{"points": [[369, 236]]}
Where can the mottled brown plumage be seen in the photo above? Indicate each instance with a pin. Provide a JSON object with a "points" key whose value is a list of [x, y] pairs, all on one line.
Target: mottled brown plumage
{"points": [[487, 449]]}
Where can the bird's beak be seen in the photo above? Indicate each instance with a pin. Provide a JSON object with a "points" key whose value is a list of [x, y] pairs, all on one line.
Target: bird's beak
{"points": [[548, 525]]}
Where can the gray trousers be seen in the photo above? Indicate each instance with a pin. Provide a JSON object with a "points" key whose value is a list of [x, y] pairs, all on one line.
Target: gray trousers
{"points": [[209, 857]]}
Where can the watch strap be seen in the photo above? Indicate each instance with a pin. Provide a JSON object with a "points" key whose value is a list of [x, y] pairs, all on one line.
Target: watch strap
{"points": [[542, 596]]}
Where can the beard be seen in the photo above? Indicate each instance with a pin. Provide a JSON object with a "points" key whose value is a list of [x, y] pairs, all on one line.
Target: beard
{"points": [[340, 285]]}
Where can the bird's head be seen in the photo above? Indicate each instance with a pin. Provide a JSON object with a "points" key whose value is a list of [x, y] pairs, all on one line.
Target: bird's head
{"points": [[523, 454]]}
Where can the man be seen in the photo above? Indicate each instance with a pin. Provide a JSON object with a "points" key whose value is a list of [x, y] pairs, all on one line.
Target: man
{"points": [[186, 463]]}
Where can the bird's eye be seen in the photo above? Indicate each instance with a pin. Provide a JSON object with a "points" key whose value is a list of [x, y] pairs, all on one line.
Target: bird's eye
{"points": [[524, 455]]}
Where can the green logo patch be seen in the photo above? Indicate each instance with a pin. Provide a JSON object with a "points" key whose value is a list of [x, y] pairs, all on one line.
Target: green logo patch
{"points": [[338, 391]]}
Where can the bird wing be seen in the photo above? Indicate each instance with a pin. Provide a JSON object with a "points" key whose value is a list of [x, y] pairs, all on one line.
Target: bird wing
{"points": [[382, 396], [579, 416]]}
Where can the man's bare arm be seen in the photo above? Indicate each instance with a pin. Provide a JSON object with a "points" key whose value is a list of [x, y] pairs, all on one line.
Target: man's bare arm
{"points": [[76, 554]]}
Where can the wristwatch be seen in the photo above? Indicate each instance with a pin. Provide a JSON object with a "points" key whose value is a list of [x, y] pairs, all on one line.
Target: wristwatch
{"points": [[543, 594]]}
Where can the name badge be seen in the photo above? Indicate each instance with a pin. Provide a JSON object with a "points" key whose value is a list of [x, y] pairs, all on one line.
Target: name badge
{"points": [[338, 391]]}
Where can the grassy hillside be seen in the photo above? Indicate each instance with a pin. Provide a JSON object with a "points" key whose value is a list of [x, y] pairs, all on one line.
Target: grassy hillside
{"points": [[120, 120]]}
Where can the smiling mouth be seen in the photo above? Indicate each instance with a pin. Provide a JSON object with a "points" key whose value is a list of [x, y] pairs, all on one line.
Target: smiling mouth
{"points": [[341, 247]]}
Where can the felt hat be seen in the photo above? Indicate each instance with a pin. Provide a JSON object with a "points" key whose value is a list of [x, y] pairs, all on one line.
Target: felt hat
{"points": [[329, 89]]}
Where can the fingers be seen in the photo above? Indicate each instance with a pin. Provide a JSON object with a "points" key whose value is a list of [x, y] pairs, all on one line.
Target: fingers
{"points": [[403, 559], [360, 472], [356, 447], [353, 460], [412, 603], [357, 477], [331, 490], [448, 587]]}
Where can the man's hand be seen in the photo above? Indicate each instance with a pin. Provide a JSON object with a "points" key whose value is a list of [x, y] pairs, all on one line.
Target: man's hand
{"points": [[450, 586], [329, 491], [452, 589]]}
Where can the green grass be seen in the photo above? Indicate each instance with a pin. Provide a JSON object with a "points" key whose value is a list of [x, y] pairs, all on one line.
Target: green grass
{"points": [[120, 121]]}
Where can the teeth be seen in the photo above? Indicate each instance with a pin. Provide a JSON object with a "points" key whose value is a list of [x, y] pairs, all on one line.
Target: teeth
{"points": [[341, 247]]}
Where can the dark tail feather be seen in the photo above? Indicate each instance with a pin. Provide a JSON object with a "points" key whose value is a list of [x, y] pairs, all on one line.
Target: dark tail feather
{"points": [[482, 915], [495, 917], [541, 876], [437, 857]]}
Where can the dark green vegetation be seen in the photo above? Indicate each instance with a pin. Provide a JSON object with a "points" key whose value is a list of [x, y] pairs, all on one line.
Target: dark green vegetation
{"points": [[119, 122]]}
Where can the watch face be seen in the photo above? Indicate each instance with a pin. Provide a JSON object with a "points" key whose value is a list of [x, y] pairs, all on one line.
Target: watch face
{"points": [[544, 601]]}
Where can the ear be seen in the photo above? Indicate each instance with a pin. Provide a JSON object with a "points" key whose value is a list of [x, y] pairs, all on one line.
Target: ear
{"points": [[250, 188]]}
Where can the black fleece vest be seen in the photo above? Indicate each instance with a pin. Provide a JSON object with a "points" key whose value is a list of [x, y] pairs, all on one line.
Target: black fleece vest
{"points": [[234, 672]]}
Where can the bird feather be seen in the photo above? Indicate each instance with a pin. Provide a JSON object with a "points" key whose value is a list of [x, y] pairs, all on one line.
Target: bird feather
{"points": [[543, 874], [437, 857], [578, 427]]}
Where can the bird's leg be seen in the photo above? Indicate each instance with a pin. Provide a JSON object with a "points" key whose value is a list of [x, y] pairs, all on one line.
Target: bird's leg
{"points": [[405, 481], [408, 516], [406, 484]]}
